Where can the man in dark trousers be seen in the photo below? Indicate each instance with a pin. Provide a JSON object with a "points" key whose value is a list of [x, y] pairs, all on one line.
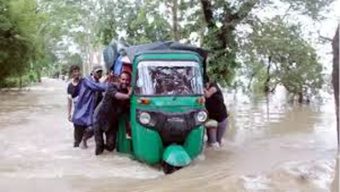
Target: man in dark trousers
{"points": [[115, 103], [84, 108], [216, 111], [73, 89]]}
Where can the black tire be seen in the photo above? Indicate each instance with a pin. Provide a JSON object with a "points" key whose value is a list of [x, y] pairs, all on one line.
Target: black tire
{"points": [[168, 169]]}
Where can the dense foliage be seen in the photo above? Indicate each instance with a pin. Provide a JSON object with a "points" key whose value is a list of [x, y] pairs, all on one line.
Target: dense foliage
{"points": [[267, 49]]}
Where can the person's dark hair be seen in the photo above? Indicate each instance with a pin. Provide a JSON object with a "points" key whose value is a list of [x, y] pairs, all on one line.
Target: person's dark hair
{"points": [[73, 68], [206, 79], [127, 73]]}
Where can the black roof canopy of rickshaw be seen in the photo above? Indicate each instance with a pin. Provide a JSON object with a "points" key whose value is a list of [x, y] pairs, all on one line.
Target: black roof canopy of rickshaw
{"points": [[132, 51]]}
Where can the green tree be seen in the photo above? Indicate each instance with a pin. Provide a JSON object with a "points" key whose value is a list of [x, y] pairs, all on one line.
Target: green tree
{"points": [[70, 24], [222, 18], [141, 21], [18, 32], [277, 54]]}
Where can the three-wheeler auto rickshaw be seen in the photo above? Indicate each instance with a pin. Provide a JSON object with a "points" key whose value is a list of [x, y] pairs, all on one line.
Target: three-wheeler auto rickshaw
{"points": [[167, 112]]}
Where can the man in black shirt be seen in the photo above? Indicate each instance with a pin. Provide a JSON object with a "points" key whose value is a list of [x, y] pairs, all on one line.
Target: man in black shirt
{"points": [[72, 97], [216, 111], [106, 116]]}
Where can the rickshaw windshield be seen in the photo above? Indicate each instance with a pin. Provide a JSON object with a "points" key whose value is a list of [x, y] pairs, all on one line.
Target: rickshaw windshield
{"points": [[161, 78]]}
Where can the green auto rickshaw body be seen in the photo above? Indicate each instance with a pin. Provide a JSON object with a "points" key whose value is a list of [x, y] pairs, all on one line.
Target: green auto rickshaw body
{"points": [[166, 124]]}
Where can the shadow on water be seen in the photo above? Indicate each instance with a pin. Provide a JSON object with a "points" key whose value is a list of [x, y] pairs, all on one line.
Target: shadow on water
{"points": [[270, 146]]}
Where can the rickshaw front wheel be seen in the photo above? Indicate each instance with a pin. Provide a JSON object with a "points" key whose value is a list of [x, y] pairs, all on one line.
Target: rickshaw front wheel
{"points": [[168, 169]]}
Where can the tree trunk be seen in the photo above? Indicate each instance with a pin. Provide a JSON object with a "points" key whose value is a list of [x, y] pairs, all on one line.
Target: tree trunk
{"points": [[20, 82], [335, 81], [38, 75], [175, 19], [300, 95], [251, 80], [222, 40], [335, 77], [336, 184], [266, 84]]}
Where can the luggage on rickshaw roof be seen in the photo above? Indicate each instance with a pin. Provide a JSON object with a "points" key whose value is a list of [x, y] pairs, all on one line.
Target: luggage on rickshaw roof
{"points": [[167, 46], [118, 56], [114, 54], [122, 64]]}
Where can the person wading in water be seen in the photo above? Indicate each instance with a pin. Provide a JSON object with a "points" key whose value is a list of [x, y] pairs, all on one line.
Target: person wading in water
{"points": [[73, 89], [87, 101], [216, 111], [115, 103]]}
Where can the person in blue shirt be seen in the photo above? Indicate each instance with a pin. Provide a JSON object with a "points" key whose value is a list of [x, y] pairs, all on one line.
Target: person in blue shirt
{"points": [[87, 101]]}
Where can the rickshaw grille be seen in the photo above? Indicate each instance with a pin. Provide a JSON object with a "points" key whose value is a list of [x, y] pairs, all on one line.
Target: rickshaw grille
{"points": [[173, 127]]}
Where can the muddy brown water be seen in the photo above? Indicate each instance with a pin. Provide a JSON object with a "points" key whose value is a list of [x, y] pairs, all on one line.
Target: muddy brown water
{"points": [[271, 145]]}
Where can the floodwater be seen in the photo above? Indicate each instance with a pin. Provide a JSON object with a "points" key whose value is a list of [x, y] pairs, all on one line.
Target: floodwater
{"points": [[275, 147]]}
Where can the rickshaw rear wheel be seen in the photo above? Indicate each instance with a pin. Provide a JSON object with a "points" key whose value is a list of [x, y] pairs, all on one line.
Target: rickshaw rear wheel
{"points": [[168, 169]]}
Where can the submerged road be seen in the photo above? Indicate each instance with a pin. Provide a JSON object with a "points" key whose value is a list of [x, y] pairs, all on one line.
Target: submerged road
{"points": [[275, 147]]}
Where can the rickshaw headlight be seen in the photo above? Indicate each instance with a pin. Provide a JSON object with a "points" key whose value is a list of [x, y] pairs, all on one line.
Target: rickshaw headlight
{"points": [[201, 116], [144, 118]]}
